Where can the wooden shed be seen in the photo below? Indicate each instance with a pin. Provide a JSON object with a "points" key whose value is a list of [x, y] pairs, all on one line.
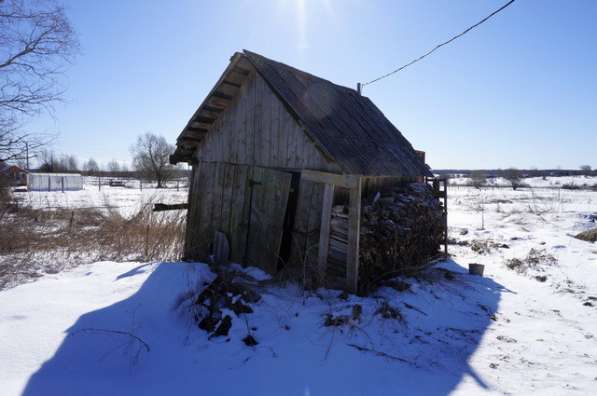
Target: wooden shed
{"points": [[271, 148]]}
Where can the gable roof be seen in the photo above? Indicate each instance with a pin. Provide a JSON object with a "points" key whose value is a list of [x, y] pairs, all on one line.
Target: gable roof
{"points": [[346, 126]]}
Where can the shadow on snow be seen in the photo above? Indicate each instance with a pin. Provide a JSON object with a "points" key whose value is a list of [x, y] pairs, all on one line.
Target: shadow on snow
{"points": [[143, 345]]}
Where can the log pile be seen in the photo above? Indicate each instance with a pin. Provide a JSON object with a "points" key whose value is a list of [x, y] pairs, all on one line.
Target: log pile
{"points": [[401, 233]]}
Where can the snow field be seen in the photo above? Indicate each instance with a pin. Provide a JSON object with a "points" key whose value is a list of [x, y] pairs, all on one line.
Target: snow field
{"points": [[504, 333]]}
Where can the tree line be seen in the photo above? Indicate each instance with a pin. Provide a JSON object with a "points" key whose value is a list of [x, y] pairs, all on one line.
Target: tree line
{"points": [[150, 161]]}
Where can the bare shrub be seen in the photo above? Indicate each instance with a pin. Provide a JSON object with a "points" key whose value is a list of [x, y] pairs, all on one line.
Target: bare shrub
{"points": [[478, 178], [481, 246], [571, 186], [5, 198], [34, 241], [514, 176], [535, 261]]}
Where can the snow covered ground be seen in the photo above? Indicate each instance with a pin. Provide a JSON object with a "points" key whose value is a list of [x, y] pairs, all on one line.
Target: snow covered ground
{"points": [[126, 200], [536, 182], [530, 328]]}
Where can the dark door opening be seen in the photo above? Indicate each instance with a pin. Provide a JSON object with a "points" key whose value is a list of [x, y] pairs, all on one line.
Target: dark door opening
{"points": [[286, 244]]}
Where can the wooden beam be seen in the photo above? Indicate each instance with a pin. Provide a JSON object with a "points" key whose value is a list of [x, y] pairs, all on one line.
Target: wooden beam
{"points": [[354, 233], [324, 230], [241, 70], [204, 120], [195, 129], [222, 95], [348, 181], [230, 83], [213, 109], [160, 207], [189, 138], [445, 183]]}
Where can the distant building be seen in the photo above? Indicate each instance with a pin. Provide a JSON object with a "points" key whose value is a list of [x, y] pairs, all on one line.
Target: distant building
{"points": [[15, 175], [54, 182]]}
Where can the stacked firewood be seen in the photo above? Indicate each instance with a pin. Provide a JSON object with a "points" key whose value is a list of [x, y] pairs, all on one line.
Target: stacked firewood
{"points": [[401, 233]]}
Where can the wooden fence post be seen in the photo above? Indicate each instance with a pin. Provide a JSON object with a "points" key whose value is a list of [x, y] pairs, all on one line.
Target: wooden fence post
{"points": [[324, 231], [354, 225]]}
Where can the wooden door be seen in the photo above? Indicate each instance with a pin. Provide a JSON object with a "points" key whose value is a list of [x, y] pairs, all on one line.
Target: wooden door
{"points": [[247, 204], [267, 201]]}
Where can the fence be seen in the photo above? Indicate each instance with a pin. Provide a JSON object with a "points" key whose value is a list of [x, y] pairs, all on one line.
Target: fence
{"points": [[54, 182]]}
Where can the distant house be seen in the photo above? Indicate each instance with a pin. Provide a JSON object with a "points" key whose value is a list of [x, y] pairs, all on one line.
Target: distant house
{"points": [[54, 182], [13, 174], [272, 148]]}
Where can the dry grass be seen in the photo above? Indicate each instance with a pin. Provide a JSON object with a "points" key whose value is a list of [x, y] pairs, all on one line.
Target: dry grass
{"points": [[34, 241], [589, 235]]}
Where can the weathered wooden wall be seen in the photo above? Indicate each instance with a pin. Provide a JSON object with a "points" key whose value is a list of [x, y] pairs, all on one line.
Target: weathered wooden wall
{"points": [[246, 203], [258, 130]]}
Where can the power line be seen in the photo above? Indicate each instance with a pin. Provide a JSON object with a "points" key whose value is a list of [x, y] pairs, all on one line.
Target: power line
{"points": [[438, 46]]}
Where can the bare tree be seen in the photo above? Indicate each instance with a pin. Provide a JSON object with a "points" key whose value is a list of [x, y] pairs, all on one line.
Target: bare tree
{"points": [[113, 167], [513, 176], [586, 169], [48, 161], [36, 43], [151, 158], [73, 163], [478, 178], [91, 166]]}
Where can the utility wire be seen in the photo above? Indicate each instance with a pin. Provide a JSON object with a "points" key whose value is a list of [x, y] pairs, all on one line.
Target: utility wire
{"points": [[439, 45]]}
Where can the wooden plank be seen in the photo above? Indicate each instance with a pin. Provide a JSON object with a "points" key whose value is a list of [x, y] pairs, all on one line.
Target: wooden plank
{"points": [[445, 183], [324, 230], [216, 214], [271, 207], [160, 207], [238, 213], [258, 122], [252, 254], [313, 230], [202, 197], [222, 95], [227, 198], [347, 181], [208, 209], [301, 224], [191, 225], [249, 122], [194, 130], [268, 209], [241, 70], [354, 224], [204, 120], [231, 83], [268, 130], [213, 109]]}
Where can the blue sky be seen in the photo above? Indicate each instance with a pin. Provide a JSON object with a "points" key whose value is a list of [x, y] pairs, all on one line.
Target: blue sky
{"points": [[521, 90]]}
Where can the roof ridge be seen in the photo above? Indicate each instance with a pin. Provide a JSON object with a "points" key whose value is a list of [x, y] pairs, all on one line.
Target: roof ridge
{"points": [[251, 53]]}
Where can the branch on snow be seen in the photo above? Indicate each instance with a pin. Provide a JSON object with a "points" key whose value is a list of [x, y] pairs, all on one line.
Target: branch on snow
{"points": [[119, 332]]}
